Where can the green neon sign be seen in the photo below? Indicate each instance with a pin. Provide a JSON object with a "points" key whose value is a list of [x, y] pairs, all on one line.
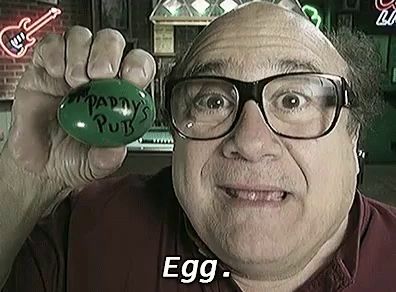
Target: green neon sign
{"points": [[313, 15]]}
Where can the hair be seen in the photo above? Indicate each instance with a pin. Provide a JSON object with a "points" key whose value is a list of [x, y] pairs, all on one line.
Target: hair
{"points": [[364, 75]]}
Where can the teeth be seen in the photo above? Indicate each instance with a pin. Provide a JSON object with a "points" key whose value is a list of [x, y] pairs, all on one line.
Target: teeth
{"points": [[252, 196], [275, 196]]}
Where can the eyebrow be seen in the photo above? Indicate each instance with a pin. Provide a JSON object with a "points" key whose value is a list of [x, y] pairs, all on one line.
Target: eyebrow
{"points": [[218, 67]]}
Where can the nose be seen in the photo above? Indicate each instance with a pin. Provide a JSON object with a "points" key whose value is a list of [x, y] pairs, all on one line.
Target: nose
{"points": [[252, 139]]}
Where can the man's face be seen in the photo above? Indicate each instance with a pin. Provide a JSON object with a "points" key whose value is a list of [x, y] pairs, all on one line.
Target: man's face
{"points": [[320, 174]]}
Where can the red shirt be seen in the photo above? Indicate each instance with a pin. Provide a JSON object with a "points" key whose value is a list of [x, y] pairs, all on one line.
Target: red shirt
{"points": [[115, 234]]}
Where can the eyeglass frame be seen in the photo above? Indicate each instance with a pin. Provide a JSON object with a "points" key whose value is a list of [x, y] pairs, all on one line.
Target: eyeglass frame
{"points": [[253, 91]]}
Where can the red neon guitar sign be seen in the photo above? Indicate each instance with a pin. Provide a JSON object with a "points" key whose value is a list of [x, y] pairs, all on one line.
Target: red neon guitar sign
{"points": [[15, 40]]}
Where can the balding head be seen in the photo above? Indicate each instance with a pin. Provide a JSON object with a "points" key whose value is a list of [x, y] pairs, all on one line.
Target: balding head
{"points": [[262, 35]]}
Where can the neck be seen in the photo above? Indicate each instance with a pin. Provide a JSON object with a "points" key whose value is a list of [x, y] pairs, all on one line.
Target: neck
{"points": [[318, 260]]}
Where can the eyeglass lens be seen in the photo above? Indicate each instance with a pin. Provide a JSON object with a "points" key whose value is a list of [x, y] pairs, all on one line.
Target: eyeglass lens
{"points": [[300, 106]]}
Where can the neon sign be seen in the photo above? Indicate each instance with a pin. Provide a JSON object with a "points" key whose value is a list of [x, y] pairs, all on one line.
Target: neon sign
{"points": [[313, 15], [15, 40], [387, 16]]}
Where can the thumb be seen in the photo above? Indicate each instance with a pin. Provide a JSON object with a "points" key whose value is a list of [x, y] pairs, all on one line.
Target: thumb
{"points": [[105, 161]]}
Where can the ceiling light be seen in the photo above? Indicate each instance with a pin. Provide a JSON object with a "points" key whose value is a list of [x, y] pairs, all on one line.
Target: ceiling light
{"points": [[228, 5], [172, 5], [200, 6]]}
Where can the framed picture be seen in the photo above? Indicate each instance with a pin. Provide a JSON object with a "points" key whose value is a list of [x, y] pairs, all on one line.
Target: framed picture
{"points": [[112, 14], [164, 39]]}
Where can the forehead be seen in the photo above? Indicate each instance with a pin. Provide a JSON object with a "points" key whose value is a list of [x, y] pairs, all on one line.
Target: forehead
{"points": [[259, 40]]}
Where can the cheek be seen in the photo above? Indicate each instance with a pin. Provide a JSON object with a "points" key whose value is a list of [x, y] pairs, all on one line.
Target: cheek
{"points": [[326, 162], [189, 167], [329, 166], [330, 161], [323, 163]]}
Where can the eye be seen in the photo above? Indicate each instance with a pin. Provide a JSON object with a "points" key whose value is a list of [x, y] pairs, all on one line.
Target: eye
{"points": [[212, 101], [290, 101]]}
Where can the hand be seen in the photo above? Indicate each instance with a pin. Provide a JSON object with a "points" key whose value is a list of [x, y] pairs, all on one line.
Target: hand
{"points": [[36, 143]]}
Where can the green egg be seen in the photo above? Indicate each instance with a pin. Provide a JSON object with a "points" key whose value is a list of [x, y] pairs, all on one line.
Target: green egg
{"points": [[106, 113]]}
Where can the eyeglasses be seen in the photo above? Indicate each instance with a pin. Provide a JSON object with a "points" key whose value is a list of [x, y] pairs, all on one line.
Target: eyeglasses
{"points": [[294, 105]]}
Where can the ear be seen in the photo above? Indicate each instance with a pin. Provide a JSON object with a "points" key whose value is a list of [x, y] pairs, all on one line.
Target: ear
{"points": [[359, 154], [292, 5], [356, 137]]}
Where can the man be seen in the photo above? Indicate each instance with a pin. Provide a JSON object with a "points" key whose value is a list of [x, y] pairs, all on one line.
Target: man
{"points": [[265, 115]]}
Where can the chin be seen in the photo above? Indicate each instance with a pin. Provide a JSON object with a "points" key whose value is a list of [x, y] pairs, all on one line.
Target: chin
{"points": [[254, 244], [259, 259]]}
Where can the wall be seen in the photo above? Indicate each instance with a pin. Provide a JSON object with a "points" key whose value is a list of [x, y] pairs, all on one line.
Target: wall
{"points": [[5, 121], [141, 25], [74, 12]]}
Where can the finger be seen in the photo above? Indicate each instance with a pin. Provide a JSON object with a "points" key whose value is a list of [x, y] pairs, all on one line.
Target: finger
{"points": [[50, 54], [78, 43], [106, 53], [105, 161], [138, 67]]}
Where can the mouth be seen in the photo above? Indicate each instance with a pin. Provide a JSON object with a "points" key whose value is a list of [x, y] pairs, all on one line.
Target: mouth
{"points": [[256, 197]]}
